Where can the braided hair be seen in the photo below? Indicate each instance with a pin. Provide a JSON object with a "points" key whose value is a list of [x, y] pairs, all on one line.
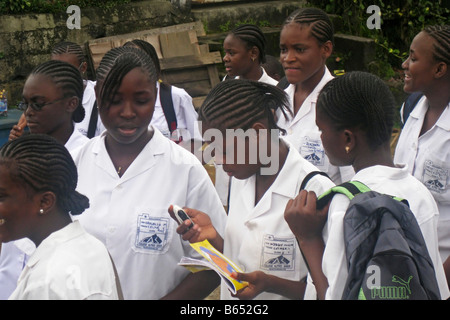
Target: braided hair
{"points": [[321, 25], [69, 48], [441, 35], [42, 164], [149, 49], [359, 100], [252, 36], [68, 78], [115, 65], [239, 103]]}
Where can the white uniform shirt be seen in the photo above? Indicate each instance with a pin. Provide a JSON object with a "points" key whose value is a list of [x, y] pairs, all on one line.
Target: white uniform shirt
{"points": [[391, 181], [14, 254], [88, 103], [129, 213], [185, 113], [258, 237], [69, 264], [303, 133], [428, 159]]}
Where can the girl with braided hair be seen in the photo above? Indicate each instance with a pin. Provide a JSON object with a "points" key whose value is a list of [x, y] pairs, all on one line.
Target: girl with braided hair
{"points": [[52, 104], [183, 128], [356, 113], [37, 198], [245, 52], [132, 174], [424, 143], [72, 53], [53, 95], [306, 42], [256, 236]]}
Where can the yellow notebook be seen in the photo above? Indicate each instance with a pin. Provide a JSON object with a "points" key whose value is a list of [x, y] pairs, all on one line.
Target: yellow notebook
{"points": [[214, 260]]}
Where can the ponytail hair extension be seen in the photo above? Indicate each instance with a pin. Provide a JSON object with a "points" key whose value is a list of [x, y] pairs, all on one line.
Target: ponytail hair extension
{"points": [[441, 35], [43, 164], [321, 25], [252, 35], [68, 78], [115, 65], [239, 103], [359, 100], [69, 48]]}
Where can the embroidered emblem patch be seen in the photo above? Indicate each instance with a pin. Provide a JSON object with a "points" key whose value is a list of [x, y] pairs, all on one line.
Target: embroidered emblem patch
{"points": [[435, 177], [312, 150], [152, 232], [278, 253]]}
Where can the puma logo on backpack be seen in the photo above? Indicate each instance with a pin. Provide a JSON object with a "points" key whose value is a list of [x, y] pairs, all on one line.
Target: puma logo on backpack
{"points": [[387, 257]]}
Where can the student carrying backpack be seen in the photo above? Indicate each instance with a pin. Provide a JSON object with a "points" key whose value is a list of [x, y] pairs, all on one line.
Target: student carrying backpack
{"points": [[387, 257]]}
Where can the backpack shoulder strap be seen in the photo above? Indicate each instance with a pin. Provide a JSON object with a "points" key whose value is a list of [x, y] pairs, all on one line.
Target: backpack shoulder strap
{"points": [[349, 189], [167, 106], [409, 104], [309, 176], [283, 83], [93, 121]]}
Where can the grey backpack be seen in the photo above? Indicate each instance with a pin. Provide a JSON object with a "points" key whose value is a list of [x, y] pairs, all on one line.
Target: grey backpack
{"points": [[387, 257]]}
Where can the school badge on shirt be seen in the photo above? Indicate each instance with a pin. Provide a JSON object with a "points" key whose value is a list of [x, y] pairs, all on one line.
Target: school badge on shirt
{"points": [[312, 150], [278, 254], [435, 177], [152, 233]]}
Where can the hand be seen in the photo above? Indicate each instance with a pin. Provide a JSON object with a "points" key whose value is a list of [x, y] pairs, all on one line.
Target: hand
{"points": [[15, 132], [256, 284], [202, 229], [305, 221]]}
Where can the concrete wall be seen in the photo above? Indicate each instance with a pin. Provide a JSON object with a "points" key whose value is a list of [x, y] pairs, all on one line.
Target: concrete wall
{"points": [[26, 40]]}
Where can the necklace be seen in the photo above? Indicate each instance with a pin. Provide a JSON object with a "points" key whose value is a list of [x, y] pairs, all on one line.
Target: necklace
{"points": [[119, 170]]}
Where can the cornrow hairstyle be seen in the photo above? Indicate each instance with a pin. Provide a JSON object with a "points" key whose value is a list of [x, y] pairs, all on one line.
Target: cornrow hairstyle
{"points": [[359, 100], [321, 25], [252, 35], [239, 103], [68, 78], [42, 164], [115, 65], [441, 35], [70, 48], [149, 49]]}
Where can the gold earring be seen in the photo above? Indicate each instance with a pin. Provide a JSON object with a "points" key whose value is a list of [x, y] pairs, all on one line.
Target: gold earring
{"points": [[347, 149], [253, 59]]}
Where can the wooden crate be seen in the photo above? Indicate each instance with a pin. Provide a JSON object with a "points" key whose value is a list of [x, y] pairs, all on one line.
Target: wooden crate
{"points": [[184, 63]]}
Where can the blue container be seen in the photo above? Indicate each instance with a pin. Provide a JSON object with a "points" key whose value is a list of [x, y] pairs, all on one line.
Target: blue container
{"points": [[6, 124]]}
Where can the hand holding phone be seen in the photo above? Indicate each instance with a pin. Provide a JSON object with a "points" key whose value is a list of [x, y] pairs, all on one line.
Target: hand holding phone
{"points": [[182, 216]]}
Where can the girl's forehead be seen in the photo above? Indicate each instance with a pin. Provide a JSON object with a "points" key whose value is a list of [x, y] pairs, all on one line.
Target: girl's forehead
{"points": [[39, 84]]}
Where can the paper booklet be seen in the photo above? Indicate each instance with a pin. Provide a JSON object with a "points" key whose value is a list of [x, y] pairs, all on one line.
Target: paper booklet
{"points": [[216, 261]]}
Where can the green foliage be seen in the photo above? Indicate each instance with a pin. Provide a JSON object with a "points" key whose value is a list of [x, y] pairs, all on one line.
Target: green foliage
{"points": [[401, 20], [52, 6]]}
